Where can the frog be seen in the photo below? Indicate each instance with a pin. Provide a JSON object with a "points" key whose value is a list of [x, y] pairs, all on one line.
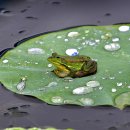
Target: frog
{"points": [[72, 66]]}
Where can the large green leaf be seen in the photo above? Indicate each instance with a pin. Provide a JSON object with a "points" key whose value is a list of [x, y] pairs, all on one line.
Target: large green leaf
{"points": [[25, 69]]}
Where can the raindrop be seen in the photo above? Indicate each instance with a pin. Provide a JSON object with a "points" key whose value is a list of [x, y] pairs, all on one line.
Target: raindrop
{"points": [[124, 28], [115, 39], [87, 101], [73, 34], [36, 63], [57, 100], [119, 84], [49, 65], [68, 79], [93, 84], [82, 90], [5, 61], [72, 52], [113, 90], [36, 51], [112, 47], [20, 86]]}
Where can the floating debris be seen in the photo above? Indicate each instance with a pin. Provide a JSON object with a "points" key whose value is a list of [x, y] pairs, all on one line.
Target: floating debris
{"points": [[36, 51], [72, 52], [112, 47], [57, 100], [73, 34], [93, 84], [87, 101], [82, 90], [124, 28], [20, 86], [5, 61]]}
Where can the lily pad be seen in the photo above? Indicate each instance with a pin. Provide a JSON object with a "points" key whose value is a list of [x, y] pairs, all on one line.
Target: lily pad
{"points": [[25, 69]]}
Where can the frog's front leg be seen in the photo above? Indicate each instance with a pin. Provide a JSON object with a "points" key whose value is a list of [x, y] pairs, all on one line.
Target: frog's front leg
{"points": [[62, 72]]}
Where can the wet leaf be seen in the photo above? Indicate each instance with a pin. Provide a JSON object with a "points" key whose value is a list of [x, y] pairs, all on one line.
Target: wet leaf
{"points": [[25, 69]]}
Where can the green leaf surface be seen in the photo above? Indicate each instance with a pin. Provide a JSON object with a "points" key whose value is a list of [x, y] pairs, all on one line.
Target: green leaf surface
{"points": [[25, 69]]}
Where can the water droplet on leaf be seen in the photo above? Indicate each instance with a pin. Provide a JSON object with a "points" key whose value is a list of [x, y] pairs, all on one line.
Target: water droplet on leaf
{"points": [[124, 28], [87, 101], [112, 47], [68, 79], [93, 84], [5, 61], [115, 39], [66, 40], [59, 37], [73, 34], [36, 51], [119, 84], [72, 52], [49, 65], [113, 90], [57, 100], [52, 84], [82, 90], [20, 86], [122, 100]]}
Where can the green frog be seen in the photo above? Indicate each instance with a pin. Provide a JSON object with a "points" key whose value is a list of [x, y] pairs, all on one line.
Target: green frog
{"points": [[73, 66]]}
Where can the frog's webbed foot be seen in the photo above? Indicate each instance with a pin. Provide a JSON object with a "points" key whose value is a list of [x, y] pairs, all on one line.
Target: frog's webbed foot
{"points": [[61, 73]]}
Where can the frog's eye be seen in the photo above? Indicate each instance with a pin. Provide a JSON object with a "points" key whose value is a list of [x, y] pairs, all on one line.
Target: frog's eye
{"points": [[57, 57]]}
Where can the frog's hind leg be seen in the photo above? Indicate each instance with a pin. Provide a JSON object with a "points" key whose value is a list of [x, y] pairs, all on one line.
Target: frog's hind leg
{"points": [[90, 67]]}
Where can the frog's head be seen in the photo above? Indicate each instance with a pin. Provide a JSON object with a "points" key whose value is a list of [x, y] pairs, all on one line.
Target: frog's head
{"points": [[55, 59]]}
